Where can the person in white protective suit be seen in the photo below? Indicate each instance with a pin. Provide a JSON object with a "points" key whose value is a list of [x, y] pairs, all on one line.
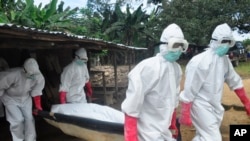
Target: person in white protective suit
{"points": [[74, 78], [3, 67], [153, 90], [202, 95], [19, 86]]}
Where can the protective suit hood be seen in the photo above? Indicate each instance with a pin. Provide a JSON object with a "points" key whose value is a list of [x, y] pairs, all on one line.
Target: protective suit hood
{"points": [[82, 54], [170, 32], [221, 32], [31, 66]]}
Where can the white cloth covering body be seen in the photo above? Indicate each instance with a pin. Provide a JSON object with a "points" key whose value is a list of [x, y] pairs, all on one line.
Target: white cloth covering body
{"points": [[90, 110]]}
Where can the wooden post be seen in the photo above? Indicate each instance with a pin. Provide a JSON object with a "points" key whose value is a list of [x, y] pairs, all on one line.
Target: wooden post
{"points": [[104, 87], [115, 73], [130, 57]]}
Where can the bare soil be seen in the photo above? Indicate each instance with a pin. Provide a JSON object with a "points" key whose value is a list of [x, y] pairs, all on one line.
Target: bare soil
{"points": [[232, 116]]}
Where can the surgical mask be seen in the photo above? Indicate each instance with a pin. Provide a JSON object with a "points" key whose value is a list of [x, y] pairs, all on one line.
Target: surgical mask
{"points": [[172, 56], [221, 50], [30, 76], [79, 62]]}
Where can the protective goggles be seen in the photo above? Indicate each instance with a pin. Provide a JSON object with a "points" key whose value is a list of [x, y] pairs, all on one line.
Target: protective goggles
{"points": [[225, 40], [175, 44], [28, 73], [83, 59]]}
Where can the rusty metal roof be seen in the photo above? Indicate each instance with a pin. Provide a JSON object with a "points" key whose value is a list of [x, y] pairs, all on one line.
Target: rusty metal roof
{"points": [[17, 36]]}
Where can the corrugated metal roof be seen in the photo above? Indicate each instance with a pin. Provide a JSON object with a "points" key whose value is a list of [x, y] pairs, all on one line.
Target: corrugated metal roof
{"points": [[13, 31]]}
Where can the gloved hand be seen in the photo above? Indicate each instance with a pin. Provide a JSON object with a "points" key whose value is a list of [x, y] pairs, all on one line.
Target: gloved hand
{"points": [[37, 102], [88, 89], [173, 127], [130, 128], [185, 118], [62, 96], [244, 99]]}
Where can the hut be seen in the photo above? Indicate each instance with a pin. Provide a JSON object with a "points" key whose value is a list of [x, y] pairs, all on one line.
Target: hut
{"points": [[53, 50]]}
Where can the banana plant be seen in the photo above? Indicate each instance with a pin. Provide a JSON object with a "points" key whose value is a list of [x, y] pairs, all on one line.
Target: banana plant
{"points": [[10, 10], [129, 25], [27, 14]]}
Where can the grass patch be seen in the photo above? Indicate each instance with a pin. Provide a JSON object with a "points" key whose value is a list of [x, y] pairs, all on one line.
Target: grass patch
{"points": [[243, 69]]}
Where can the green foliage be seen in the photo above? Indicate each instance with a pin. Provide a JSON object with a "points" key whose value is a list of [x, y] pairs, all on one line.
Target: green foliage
{"points": [[10, 10], [27, 14], [127, 26], [88, 23], [246, 42], [199, 18], [103, 53], [243, 69], [105, 20]]}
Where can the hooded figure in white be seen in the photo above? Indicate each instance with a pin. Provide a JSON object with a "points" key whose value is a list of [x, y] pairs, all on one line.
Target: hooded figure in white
{"points": [[3, 67], [203, 89], [153, 90], [18, 86], [73, 79]]}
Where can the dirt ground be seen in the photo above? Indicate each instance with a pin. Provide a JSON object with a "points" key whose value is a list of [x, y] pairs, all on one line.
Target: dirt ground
{"points": [[230, 100], [231, 116], [47, 132]]}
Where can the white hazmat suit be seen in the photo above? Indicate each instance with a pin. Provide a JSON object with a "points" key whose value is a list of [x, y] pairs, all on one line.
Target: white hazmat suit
{"points": [[152, 94], [3, 66], [19, 86], [73, 79], [203, 89]]}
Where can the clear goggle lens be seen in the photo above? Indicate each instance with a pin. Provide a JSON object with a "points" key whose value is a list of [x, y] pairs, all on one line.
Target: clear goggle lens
{"points": [[83, 59], [177, 45], [229, 41]]}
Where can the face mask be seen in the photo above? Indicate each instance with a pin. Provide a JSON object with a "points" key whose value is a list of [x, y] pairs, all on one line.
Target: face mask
{"points": [[172, 56], [222, 50], [79, 62], [32, 76]]}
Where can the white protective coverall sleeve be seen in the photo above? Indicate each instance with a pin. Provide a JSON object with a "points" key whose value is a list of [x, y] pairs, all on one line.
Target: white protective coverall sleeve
{"points": [[2, 75], [195, 77], [153, 90], [139, 83], [66, 78], [3, 66], [232, 78], [73, 79], [39, 86], [16, 77]]}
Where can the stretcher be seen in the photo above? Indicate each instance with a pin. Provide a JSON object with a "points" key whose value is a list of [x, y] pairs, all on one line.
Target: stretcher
{"points": [[95, 130], [84, 128]]}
